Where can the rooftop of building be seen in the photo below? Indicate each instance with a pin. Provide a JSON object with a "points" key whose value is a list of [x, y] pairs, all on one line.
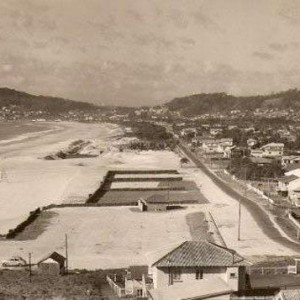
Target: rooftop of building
{"points": [[200, 254]]}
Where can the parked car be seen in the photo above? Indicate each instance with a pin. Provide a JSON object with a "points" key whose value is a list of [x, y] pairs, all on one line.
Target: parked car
{"points": [[15, 261]]}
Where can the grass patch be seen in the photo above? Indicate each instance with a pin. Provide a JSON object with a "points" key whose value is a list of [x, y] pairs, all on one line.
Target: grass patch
{"points": [[198, 226], [72, 286]]}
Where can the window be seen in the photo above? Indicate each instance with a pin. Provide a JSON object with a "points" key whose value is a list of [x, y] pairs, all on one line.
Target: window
{"points": [[199, 274], [176, 274], [139, 293], [233, 275]]}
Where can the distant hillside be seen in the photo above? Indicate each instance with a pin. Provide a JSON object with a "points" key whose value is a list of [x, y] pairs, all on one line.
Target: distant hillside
{"points": [[220, 102], [44, 103]]}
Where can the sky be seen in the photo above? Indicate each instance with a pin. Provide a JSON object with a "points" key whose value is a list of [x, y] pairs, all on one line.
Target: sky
{"points": [[147, 52]]}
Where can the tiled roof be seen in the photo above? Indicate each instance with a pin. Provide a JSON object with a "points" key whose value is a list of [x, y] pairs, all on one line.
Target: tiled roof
{"points": [[200, 254], [292, 167], [288, 179], [290, 294]]}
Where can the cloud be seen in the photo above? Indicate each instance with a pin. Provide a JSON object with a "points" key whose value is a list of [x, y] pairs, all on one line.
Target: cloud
{"points": [[263, 55], [278, 47], [204, 20], [290, 11]]}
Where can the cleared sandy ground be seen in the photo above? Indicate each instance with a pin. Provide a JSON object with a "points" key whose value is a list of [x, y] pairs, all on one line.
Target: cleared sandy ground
{"points": [[106, 237], [225, 211]]}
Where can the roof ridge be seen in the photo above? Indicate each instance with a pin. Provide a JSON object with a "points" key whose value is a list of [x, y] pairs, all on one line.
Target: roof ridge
{"points": [[170, 252]]}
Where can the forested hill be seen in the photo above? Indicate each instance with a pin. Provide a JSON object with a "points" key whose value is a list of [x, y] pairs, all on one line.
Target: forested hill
{"points": [[26, 101], [221, 102]]}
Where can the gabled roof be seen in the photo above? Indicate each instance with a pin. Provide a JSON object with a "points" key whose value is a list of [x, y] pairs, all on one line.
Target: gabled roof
{"points": [[292, 167], [273, 145], [290, 294], [200, 254], [288, 179], [199, 289], [54, 256]]}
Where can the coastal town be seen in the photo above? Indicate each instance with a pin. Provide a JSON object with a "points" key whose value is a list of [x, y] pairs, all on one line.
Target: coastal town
{"points": [[205, 253], [149, 150]]}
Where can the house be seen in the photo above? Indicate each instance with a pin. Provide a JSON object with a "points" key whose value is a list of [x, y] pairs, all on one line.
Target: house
{"points": [[292, 294], [215, 131], [289, 159], [210, 146], [195, 265], [292, 169], [52, 264], [131, 285], [268, 150], [217, 145], [257, 153], [273, 149], [289, 186], [251, 142], [205, 289]]}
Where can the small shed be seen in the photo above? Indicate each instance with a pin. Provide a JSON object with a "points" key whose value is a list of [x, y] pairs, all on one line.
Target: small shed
{"points": [[154, 203], [52, 264]]}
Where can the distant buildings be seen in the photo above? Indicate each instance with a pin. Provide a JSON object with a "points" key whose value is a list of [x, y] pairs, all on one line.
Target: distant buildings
{"points": [[269, 150], [217, 145]]}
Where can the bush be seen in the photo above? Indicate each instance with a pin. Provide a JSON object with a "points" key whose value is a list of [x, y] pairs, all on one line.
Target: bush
{"points": [[12, 233]]}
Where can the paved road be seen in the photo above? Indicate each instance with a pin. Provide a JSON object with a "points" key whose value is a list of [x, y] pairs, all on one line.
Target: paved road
{"points": [[259, 215]]}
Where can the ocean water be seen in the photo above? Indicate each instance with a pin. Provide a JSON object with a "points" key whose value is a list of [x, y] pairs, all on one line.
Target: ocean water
{"points": [[12, 130]]}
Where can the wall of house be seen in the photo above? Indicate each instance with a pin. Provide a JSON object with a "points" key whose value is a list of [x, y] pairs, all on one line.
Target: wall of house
{"points": [[232, 277], [161, 276]]}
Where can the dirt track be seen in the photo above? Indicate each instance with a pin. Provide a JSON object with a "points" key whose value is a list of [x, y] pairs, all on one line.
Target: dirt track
{"points": [[259, 215]]}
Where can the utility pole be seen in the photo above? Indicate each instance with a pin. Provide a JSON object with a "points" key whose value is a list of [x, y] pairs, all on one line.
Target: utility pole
{"points": [[240, 206], [66, 248], [239, 222], [29, 261]]}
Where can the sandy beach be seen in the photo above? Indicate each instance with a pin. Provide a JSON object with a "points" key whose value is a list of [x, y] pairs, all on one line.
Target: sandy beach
{"points": [[31, 182], [106, 237]]}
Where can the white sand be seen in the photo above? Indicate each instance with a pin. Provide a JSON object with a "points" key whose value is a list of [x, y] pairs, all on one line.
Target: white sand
{"points": [[33, 182], [105, 237]]}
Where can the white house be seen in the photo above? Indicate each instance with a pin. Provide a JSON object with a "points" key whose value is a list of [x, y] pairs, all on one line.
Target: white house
{"points": [[269, 150], [215, 130], [290, 159], [251, 142], [290, 186], [198, 269], [273, 149], [257, 153], [217, 145]]}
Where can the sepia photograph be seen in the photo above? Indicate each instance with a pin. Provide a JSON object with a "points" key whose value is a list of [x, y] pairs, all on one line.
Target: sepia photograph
{"points": [[149, 149]]}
